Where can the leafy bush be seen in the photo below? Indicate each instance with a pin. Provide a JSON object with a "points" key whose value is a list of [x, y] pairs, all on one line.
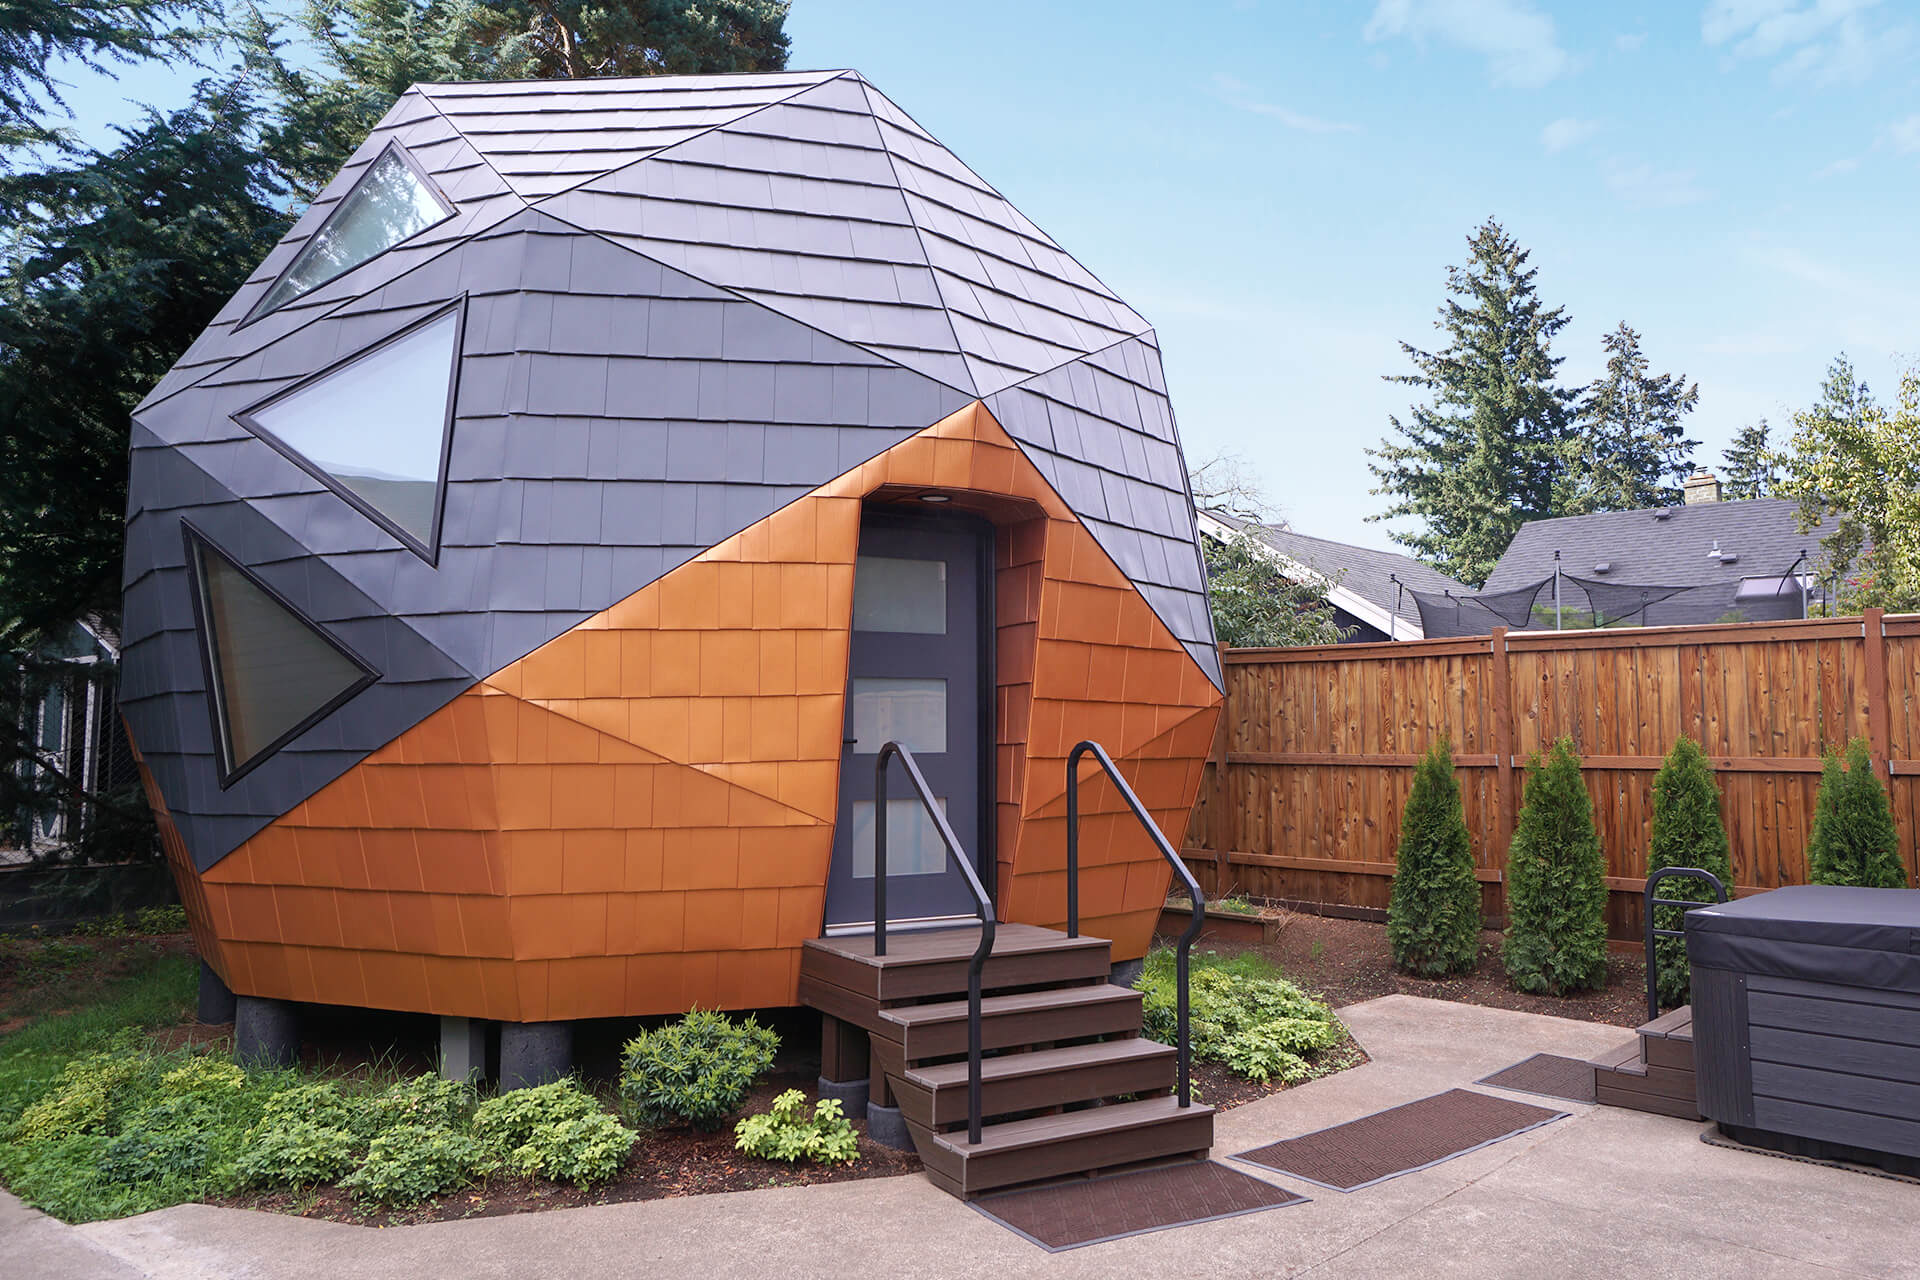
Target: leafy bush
{"points": [[555, 1131], [1240, 1013], [425, 1101], [1556, 882], [1854, 839], [1433, 918], [86, 1099], [1687, 832], [150, 921], [694, 1070], [410, 1162], [317, 1104], [297, 1153], [788, 1133]]}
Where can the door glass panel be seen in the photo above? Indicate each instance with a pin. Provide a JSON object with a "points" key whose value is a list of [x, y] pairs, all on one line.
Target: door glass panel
{"points": [[910, 712], [892, 594], [913, 842]]}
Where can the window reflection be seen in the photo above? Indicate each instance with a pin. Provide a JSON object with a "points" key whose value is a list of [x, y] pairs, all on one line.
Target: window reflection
{"points": [[389, 204]]}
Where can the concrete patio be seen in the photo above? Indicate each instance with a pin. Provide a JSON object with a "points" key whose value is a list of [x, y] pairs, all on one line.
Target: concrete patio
{"points": [[1604, 1192]]}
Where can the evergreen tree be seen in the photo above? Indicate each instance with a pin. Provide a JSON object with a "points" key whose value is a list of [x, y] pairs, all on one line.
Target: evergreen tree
{"points": [[1255, 605], [1687, 832], [1855, 841], [1480, 459], [1433, 918], [1628, 450], [1556, 882], [1749, 468], [41, 38]]}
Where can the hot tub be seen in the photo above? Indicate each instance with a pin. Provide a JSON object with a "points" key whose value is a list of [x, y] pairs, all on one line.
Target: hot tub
{"points": [[1806, 1021]]}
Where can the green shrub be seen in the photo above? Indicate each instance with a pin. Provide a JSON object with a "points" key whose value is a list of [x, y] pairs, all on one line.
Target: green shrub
{"points": [[1433, 917], [90, 1092], [555, 1131], [694, 1070], [1687, 832], [297, 1153], [787, 1132], [410, 1162], [1854, 839], [1239, 1013], [425, 1101], [319, 1104], [1556, 882], [151, 921]]}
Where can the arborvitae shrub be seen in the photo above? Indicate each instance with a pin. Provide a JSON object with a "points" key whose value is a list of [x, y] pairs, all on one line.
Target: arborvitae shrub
{"points": [[1556, 882], [1854, 840], [1687, 832], [1433, 920]]}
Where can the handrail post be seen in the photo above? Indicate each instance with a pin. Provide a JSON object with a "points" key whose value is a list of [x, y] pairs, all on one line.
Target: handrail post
{"points": [[1194, 896], [880, 851], [1652, 903]]}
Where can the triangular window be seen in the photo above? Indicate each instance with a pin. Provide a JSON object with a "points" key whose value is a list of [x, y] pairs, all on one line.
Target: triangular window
{"points": [[375, 428], [392, 201], [270, 672]]}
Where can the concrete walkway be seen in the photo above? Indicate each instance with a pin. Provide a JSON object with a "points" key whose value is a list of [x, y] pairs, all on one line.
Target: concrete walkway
{"points": [[1605, 1192]]}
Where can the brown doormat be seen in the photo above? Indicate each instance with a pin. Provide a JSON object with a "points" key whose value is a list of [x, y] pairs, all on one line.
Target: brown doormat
{"points": [[1066, 1215], [1400, 1139], [1547, 1074]]}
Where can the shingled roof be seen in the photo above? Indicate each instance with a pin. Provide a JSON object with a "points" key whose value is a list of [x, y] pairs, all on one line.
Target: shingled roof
{"points": [[683, 302]]}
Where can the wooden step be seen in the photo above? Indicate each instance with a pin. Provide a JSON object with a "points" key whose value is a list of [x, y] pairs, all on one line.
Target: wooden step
{"points": [[936, 1096], [939, 1029], [934, 962], [1624, 1078], [1071, 1142], [1667, 1041]]}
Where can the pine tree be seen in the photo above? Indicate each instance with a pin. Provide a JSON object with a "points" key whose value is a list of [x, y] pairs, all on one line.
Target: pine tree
{"points": [[1556, 882], [1687, 832], [40, 40], [1433, 919], [1480, 460], [1855, 841], [1628, 450], [1749, 468]]}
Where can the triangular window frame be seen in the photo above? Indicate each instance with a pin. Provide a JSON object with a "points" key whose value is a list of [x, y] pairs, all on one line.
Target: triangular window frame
{"points": [[260, 310], [198, 544], [429, 550]]}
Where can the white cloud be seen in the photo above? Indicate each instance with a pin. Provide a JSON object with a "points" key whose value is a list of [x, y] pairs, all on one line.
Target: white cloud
{"points": [[1517, 40], [1905, 135], [1567, 132], [1644, 186], [1241, 95], [1822, 41]]}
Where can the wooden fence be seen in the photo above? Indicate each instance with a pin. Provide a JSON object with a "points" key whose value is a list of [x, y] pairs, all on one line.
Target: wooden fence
{"points": [[1314, 758]]}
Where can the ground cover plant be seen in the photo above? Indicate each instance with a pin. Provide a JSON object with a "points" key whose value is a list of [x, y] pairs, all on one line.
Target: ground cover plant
{"points": [[1433, 917], [1687, 832], [1556, 882], [1854, 840], [1242, 1014], [788, 1131]]}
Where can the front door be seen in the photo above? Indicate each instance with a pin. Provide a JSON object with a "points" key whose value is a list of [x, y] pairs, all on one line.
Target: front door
{"points": [[915, 676]]}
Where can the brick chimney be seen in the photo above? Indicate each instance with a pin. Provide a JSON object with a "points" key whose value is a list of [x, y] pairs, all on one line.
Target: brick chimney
{"points": [[1701, 486]]}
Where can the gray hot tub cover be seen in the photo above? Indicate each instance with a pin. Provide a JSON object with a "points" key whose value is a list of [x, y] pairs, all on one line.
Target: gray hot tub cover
{"points": [[1814, 933]]}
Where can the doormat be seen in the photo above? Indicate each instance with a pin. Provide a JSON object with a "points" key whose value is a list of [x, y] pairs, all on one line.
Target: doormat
{"points": [[1403, 1139], [1549, 1075], [1067, 1215]]}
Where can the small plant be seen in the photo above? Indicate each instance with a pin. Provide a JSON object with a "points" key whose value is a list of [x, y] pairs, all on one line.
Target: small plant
{"points": [[694, 1070], [1433, 917], [1854, 839], [410, 1162], [787, 1132], [152, 921], [1556, 882], [555, 1131], [427, 1101], [1241, 1013], [1687, 832], [297, 1153], [89, 1092]]}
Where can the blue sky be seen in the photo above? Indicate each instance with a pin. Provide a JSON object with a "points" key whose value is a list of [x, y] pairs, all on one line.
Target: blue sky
{"points": [[1279, 187]]}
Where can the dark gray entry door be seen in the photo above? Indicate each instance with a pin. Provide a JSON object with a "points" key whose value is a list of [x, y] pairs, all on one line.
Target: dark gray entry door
{"points": [[914, 676]]}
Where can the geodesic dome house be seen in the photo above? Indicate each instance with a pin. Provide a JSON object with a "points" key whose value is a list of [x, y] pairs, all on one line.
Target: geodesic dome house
{"points": [[526, 565]]}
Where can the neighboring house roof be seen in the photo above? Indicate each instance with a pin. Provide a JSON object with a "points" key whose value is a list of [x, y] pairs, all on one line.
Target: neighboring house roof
{"points": [[1360, 580], [1665, 546]]}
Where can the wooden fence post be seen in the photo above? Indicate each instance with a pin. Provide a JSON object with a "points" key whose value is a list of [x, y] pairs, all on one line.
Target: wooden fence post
{"points": [[1506, 803], [1874, 630], [1218, 837]]}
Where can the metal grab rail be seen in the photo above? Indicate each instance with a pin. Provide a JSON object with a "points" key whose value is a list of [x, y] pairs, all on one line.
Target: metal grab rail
{"points": [[1671, 873], [1198, 899], [983, 906]]}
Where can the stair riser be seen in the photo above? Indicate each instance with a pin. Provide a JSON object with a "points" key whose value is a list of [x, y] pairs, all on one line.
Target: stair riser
{"points": [[1676, 1054], [947, 1106], [969, 1177], [1629, 1100], [1019, 1030]]}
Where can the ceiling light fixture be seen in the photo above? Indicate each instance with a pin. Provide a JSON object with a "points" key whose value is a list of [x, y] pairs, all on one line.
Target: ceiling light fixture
{"points": [[935, 497]]}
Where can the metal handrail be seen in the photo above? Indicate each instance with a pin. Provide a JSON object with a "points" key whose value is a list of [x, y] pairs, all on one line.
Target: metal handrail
{"points": [[983, 906], [1673, 873], [1198, 899]]}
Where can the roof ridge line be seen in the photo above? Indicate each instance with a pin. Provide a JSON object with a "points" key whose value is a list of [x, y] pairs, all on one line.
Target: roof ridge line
{"points": [[461, 134]]}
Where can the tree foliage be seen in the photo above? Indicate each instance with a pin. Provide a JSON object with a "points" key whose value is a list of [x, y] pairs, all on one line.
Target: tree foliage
{"points": [[1687, 832], [1628, 449], [1854, 841], [38, 36], [1749, 467], [1433, 917], [1556, 882], [1858, 461], [1256, 605], [1479, 460]]}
